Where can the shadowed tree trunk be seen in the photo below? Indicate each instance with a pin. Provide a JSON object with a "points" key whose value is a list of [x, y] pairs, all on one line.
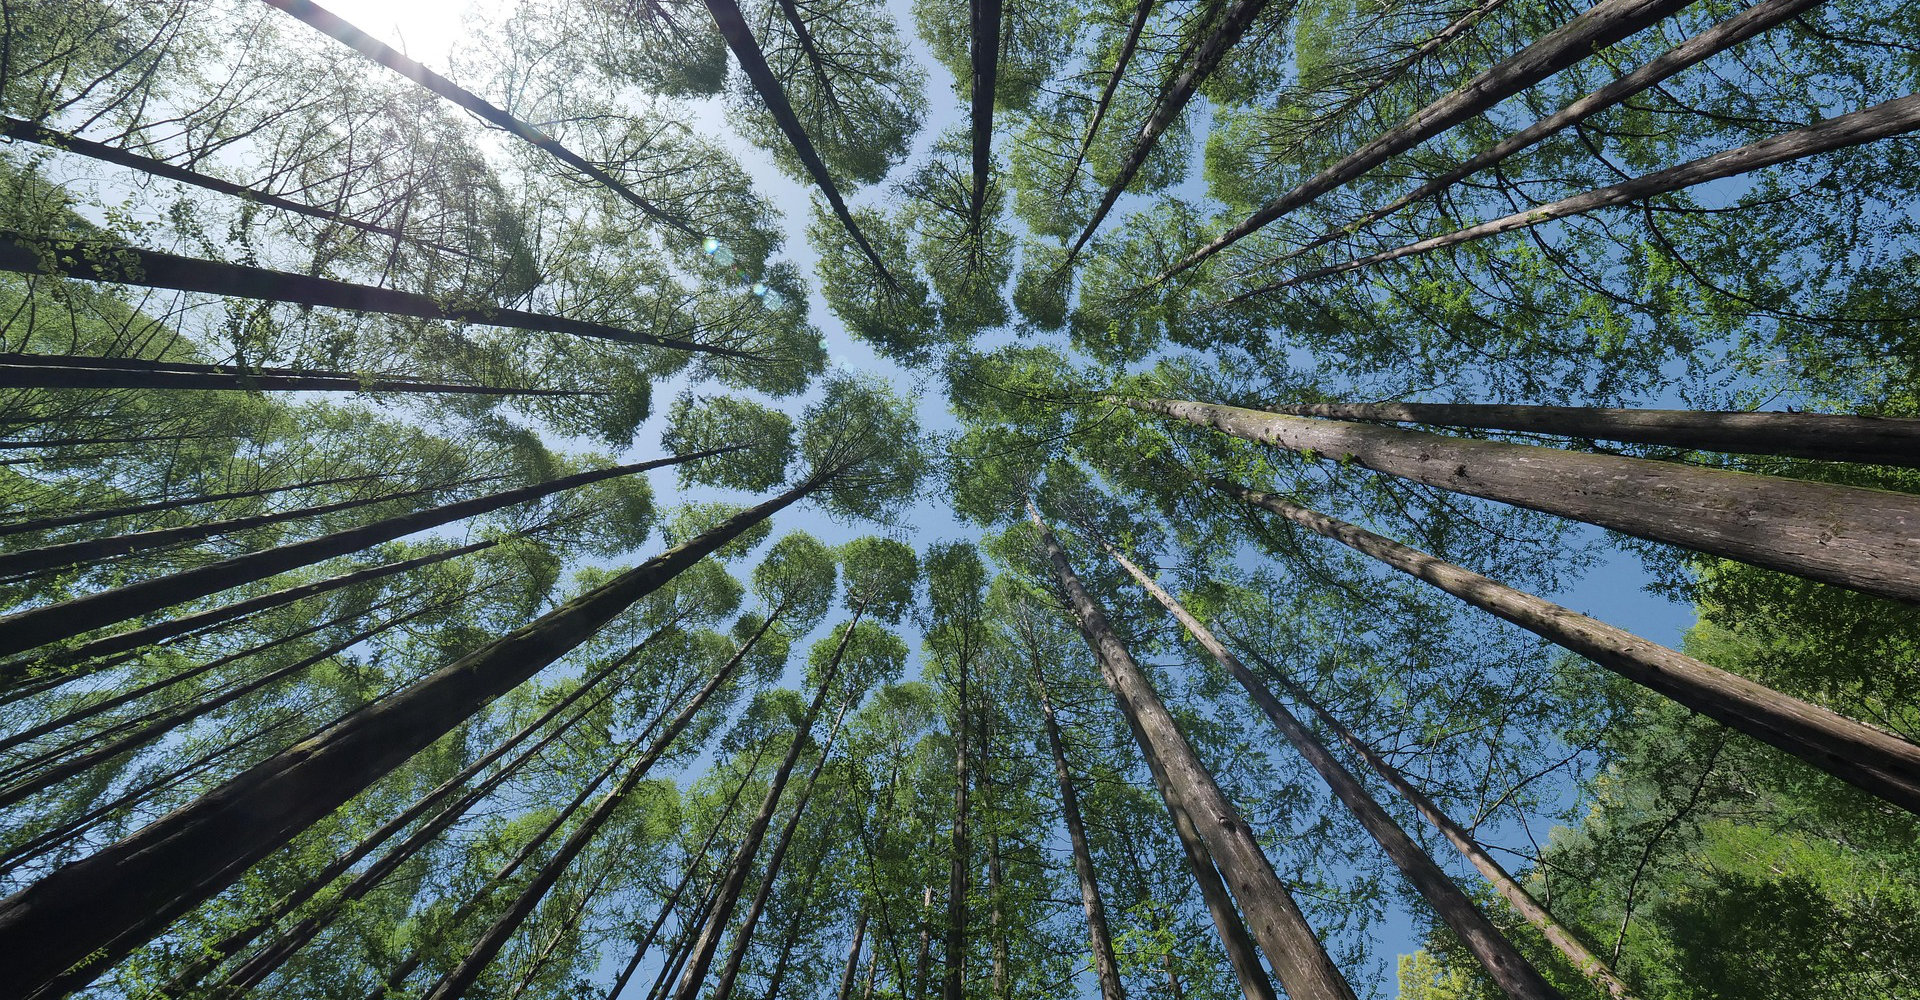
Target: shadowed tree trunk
{"points": [[960, 850], [67, 371], [92, 260], [52, 623], [340, 30], [1895, 117], [92, 912], [792, 937], [853, 956], [1829, 437], [1141, 11], [985, 17], [996, 897], [1875, 761], [1305, 970], [110, 513], [1100, 938], [1503, 962], [1595, 28], [1862, 539], [1719, 38]]}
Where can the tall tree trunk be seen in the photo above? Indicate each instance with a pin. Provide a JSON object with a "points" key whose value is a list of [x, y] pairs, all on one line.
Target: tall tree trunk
{"points": [[131, 510], [1595, 28], [77, 442], [52, 623], [67, 371], [1829, 437], [683, 947], [1875, 761], [1100, 938], [1863, 539], [461, 978], [340, 30], [694, 977], [567, 926], [753, 62], [92, 912], [1896, 117], [1516, 895], [1142, 9], [853, 956], [960, 851], [116, 263], [1714, 40], [1504, 964], [923, 960], [1276, 922], [985, 18], [1239, 16], [996, 896], [119, 647], [792, 938]]}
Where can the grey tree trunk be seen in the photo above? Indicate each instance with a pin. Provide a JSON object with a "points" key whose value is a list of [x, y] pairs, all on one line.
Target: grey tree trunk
{"points": [[155, 506], [1099, 936], [68, 371]]}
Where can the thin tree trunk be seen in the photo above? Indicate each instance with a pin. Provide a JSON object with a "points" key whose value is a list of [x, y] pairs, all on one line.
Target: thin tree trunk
{"points": [[545, 954], [753, 62], [923, 961], [92, 912], [1875, 761], [1714, 40], [960, 851], [482, 952], [52, 623], [65, 371], [1206, 58], [130, 510], [1276, 922], [1504, 964], [792, 937], [1516, 895], [1141, 11], [340, 30], [1597, 27], [996, 898], [1896, 117], [76, 442], [20, 673], [1862, 539], [853, 956], [94, 260], [683, 947], [1828, 437], [1100, 938], [985, 17]]}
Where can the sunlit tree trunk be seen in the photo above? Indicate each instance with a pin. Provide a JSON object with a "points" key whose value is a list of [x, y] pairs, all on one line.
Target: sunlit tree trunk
{"points": [[1106, 969]]}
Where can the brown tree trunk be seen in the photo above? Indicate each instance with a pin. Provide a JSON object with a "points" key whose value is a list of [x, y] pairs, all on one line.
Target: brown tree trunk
{"points": [[792, 938], [1301, 962], [1875, 761], [92, 912], [1896, 117], [996, 897], [1504, 964], [67, 371], [1829, 437], [1863, 539], [1516, 895], [1141, 11], [116, 263], [1100, 938], [1714, 40], [130, 510], [984, 17], [924, 960], [52, 623], [853, 956], [960, 851], [1597, 27]]}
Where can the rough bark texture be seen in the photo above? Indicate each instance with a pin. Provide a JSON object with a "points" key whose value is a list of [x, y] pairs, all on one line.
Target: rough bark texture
{"points": [[1597, 27], [102, 907], [1863, 539], [1298, 958], [1826, 436], [1875, 761], [39, 626], [1504, 963], [120, 264], [1099, 936], [1894, 117]]}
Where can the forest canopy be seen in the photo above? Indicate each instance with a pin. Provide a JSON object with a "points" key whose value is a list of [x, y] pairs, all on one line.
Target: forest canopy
{"points": [[939, 500]]}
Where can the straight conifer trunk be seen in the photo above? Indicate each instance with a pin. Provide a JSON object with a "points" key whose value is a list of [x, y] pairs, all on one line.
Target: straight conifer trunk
{"points": [[853, 956], [1099, 936], [960, 856], [985, 17], [67, 371], [1874, 761], [792, 937], [1503, 962], [100, 908], [1141, 11], [1862, 539], [1305, 970], [52, 623], [155, 506], [1828, 437]]}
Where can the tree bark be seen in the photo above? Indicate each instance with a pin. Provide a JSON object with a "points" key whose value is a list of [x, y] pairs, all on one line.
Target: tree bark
{"points": [[66, 371], [1597, 27], [1828, 437], [792, 937], [1516, 895], [130, 510], [1141, 11], [92, 912], [1100, 937], [1276, 922], [996, 898], [1874, 761], [853, 956], [985, 17], [1862, 539], [1896, 117], [960, 851], [102, 261], [1714, 40], [27, 629], [1504, 964]]}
